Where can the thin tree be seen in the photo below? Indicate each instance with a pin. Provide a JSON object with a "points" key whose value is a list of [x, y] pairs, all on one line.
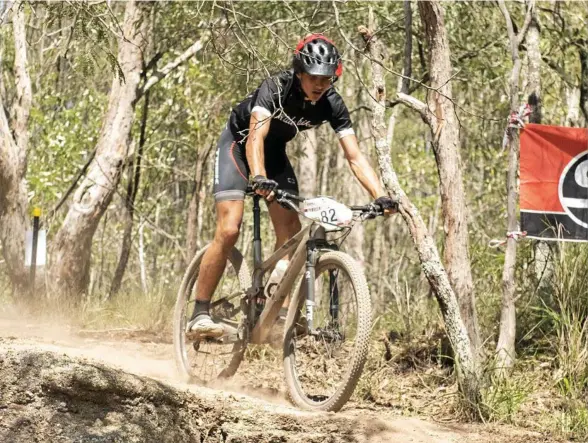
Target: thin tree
{"points": [[505, 347], [467, 367], [446, 129], [71, 253], [14, 140], [129, 203]]}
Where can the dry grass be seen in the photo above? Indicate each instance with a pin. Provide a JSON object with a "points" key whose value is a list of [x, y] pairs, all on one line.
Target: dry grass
{"points": [[148, 313]]}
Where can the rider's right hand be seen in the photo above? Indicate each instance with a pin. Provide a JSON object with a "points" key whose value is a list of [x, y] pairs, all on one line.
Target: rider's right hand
{"points": [[264, 186]]}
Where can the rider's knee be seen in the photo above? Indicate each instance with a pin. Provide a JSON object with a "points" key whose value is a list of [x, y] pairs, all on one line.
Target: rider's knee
{"points": [[228, 234]]}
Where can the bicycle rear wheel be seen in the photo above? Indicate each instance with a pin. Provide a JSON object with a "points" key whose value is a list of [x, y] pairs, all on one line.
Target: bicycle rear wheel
{"points": [[322, 368], [205, 360]]}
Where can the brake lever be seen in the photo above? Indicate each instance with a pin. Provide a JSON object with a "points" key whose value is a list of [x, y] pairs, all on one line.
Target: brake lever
{"points": [[284, 202], [374, 212]]}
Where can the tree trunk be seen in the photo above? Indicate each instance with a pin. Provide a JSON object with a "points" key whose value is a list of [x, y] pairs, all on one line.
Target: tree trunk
{"points": [[543, 259], [71, 253], [325, 168], [573, 103], [13, 160], [142, 264], [467, 367], [583, 53], [505, 347], [446, 146], [307, 165], [352, 194], [533, 40], [194, 209], [129, 204]]}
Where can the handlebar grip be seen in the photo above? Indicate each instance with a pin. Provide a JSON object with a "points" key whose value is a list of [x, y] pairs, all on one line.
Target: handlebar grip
{"points": [[365, 208], [371, 209]]}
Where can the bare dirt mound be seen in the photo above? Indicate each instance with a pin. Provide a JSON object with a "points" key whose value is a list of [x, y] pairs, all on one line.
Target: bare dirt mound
{"points": [[58, 386], [46, 396]]}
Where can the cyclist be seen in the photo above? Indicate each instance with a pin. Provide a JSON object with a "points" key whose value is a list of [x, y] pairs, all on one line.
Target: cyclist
{"points": [[254, 144]]}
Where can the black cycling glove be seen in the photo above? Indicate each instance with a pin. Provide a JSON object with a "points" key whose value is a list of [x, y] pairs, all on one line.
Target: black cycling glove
{"points": [[386, 202], [264, 183]]}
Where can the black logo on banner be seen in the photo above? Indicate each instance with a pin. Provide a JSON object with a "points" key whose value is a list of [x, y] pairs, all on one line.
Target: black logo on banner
{"points": [[573, 189]]}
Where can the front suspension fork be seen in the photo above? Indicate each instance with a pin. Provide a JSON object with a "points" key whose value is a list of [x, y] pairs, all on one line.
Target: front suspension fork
{"points": [[333, 298], [309, 276], [313, 247]]}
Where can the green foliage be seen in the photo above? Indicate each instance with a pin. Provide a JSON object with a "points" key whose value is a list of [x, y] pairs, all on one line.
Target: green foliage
{"points": [[572, 423], [567, 312], [92, 28], [67, 132], [504, 398]]}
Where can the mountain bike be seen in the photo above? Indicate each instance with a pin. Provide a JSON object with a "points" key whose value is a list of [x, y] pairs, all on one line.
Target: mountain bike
{"points": [[328, 324]]}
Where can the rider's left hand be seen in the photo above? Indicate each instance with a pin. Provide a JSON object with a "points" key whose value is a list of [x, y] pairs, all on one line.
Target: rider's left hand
{"points": [[387, 204]]}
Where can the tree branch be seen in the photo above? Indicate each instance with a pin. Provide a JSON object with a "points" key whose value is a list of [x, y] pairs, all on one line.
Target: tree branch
{"points": [[416, 105], [157, 76], [24, 94], [509, 26], [5, 13], [367, 55], [73, 185], [527, 23], [565, 76], [405, 82]]}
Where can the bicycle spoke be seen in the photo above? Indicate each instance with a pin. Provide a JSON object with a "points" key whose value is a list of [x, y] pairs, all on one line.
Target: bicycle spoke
{"points": [[208, 359], [322, 359]]}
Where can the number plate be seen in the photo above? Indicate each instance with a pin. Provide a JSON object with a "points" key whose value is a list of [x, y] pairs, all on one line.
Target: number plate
{"points": [[331, 214]]}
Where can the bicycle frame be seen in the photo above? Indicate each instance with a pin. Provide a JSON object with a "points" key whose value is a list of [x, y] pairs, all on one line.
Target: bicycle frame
{"points": [[303, 245]]}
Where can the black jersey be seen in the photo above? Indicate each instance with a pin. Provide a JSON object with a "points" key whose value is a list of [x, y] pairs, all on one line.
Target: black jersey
{"points": [[281, 98]]}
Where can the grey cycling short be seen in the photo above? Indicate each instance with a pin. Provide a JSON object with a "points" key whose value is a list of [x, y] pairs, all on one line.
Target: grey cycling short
{"points": [[231, 171]]}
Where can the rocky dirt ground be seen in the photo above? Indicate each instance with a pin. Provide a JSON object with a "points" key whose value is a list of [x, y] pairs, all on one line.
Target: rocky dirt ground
{"points": [[60, 385]]}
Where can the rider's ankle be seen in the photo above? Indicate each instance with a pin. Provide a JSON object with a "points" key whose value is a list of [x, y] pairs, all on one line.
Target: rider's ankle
{"points": [[201, 309]]}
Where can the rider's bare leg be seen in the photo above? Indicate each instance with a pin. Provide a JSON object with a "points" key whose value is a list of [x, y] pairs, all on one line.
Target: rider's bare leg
{"points": [[286, 224], [229, 215]]}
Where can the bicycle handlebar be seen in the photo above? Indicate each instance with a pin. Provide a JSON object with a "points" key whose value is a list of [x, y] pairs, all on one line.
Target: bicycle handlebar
{"points": [[371, 210]]}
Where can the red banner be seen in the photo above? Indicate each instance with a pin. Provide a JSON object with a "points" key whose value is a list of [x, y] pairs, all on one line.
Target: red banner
{"points": [[554, 182]]}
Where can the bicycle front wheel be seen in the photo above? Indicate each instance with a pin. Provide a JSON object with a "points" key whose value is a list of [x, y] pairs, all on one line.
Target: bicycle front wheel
{"points": [[322, 366], [205, 360]]}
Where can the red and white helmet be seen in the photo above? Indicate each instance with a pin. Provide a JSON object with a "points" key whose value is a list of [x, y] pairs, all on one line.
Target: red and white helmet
{"points": [[317, 55]]}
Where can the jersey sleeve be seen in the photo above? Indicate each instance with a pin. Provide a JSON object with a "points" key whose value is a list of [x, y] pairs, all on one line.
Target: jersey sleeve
{"points": [[340, 120], [267, 100]]}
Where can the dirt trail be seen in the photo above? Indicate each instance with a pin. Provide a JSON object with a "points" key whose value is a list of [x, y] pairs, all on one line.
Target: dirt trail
{"points": [[60, 386]]}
